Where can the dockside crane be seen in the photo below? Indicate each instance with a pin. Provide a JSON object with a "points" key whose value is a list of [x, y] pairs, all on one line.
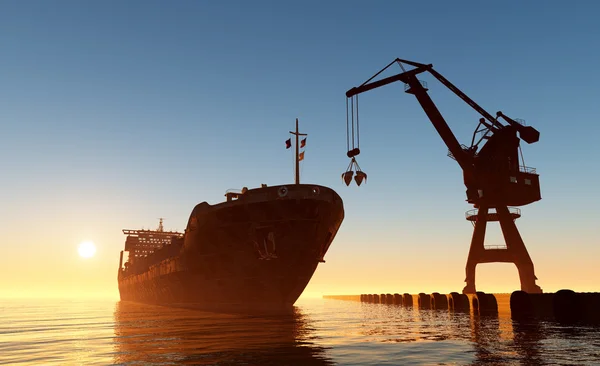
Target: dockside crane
{"points": [[496, 181]]}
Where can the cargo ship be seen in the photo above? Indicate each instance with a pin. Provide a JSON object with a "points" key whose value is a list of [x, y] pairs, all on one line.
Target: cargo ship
{"points": [[255, 251]]}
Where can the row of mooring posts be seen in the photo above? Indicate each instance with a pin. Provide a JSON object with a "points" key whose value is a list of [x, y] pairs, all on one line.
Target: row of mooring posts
{"points": [[565, 306], [480, 302]]}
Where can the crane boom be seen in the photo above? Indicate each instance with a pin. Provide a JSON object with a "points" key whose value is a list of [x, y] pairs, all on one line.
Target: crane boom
{"points": [[462, 156], [376, 84], [419, 68], [467, 100]]}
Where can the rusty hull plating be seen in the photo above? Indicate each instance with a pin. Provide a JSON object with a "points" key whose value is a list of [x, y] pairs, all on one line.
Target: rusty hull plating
{"points": [[256, 251]]}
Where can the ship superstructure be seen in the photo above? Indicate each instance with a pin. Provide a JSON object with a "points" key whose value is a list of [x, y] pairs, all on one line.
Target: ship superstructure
{"points": [[141, 243]]}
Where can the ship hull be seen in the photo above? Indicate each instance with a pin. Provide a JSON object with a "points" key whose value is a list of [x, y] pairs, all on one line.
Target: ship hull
{"points": [[254, 254]]}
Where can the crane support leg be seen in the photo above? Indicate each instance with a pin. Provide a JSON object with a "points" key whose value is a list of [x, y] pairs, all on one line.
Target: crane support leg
{"points": [[516, 247], [515, 251], [477, 250]]}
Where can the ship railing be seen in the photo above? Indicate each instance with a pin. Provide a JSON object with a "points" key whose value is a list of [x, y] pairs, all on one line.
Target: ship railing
{"points": [[527, 169], [492, 215], [233, 194]]}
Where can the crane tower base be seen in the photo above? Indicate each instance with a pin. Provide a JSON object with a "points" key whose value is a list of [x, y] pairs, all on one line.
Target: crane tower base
{"points": [[514, 252]]}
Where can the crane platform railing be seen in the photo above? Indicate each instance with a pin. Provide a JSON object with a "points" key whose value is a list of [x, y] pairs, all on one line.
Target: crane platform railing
{"points": [[451, 156], [495, 247], [522, 168], [492, 215], [520, 121], [407, 86]]}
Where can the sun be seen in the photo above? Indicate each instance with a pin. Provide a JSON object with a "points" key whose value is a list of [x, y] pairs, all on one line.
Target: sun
{"points": [[87, 249]]}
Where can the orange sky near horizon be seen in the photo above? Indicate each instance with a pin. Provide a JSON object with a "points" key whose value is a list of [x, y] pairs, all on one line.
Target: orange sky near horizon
{"points": [[55, 270]]}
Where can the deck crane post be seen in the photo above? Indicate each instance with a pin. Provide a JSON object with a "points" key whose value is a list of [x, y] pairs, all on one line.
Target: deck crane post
{"points": [[492, 173]]}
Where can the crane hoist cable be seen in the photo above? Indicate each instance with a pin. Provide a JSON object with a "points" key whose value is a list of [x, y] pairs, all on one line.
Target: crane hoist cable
{"points": [[354, 122], [348, 127], [350, 132], [354, 133], [352, 106]]}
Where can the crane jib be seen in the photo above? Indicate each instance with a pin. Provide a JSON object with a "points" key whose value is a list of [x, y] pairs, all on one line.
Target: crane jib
{"points": [[376, 84]]}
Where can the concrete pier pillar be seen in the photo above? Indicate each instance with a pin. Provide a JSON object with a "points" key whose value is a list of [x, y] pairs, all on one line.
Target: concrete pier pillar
{"points": [[458, 302], [483, 303], [424, 301], [407, 299], [438, 301]]}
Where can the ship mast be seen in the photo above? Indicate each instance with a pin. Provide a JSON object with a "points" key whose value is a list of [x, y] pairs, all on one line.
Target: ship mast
{"points": [[297, 134]]}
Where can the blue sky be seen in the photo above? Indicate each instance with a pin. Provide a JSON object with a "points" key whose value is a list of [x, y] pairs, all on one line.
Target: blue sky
{"points": [[116, 113]]}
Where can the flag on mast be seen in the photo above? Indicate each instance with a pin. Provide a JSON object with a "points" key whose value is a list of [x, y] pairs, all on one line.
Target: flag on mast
{"points": [[288, 143], [303, 142], [301, 156]]}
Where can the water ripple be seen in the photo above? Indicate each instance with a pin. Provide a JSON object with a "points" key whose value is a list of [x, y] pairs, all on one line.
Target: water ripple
{"points": [[320, 332]]}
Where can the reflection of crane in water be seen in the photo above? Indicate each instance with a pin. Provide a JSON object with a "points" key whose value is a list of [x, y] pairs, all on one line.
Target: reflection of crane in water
{"points": [[492, 173]]}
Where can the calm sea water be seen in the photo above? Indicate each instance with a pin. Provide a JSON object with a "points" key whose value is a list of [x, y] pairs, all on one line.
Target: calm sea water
{"points": [[320, 332]]}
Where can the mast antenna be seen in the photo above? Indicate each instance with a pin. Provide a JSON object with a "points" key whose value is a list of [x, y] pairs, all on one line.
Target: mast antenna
{"points": [[297, 157]]}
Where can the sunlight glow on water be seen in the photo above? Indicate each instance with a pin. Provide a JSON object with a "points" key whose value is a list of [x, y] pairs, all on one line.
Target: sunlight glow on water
{"points": [[321, 332]]}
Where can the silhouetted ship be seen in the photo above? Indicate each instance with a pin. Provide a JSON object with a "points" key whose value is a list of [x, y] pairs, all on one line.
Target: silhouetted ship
{"points": [[256, 251]]}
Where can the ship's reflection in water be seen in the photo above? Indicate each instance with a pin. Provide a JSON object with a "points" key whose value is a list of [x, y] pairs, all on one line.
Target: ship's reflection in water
{"points": [[163, 335]]}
